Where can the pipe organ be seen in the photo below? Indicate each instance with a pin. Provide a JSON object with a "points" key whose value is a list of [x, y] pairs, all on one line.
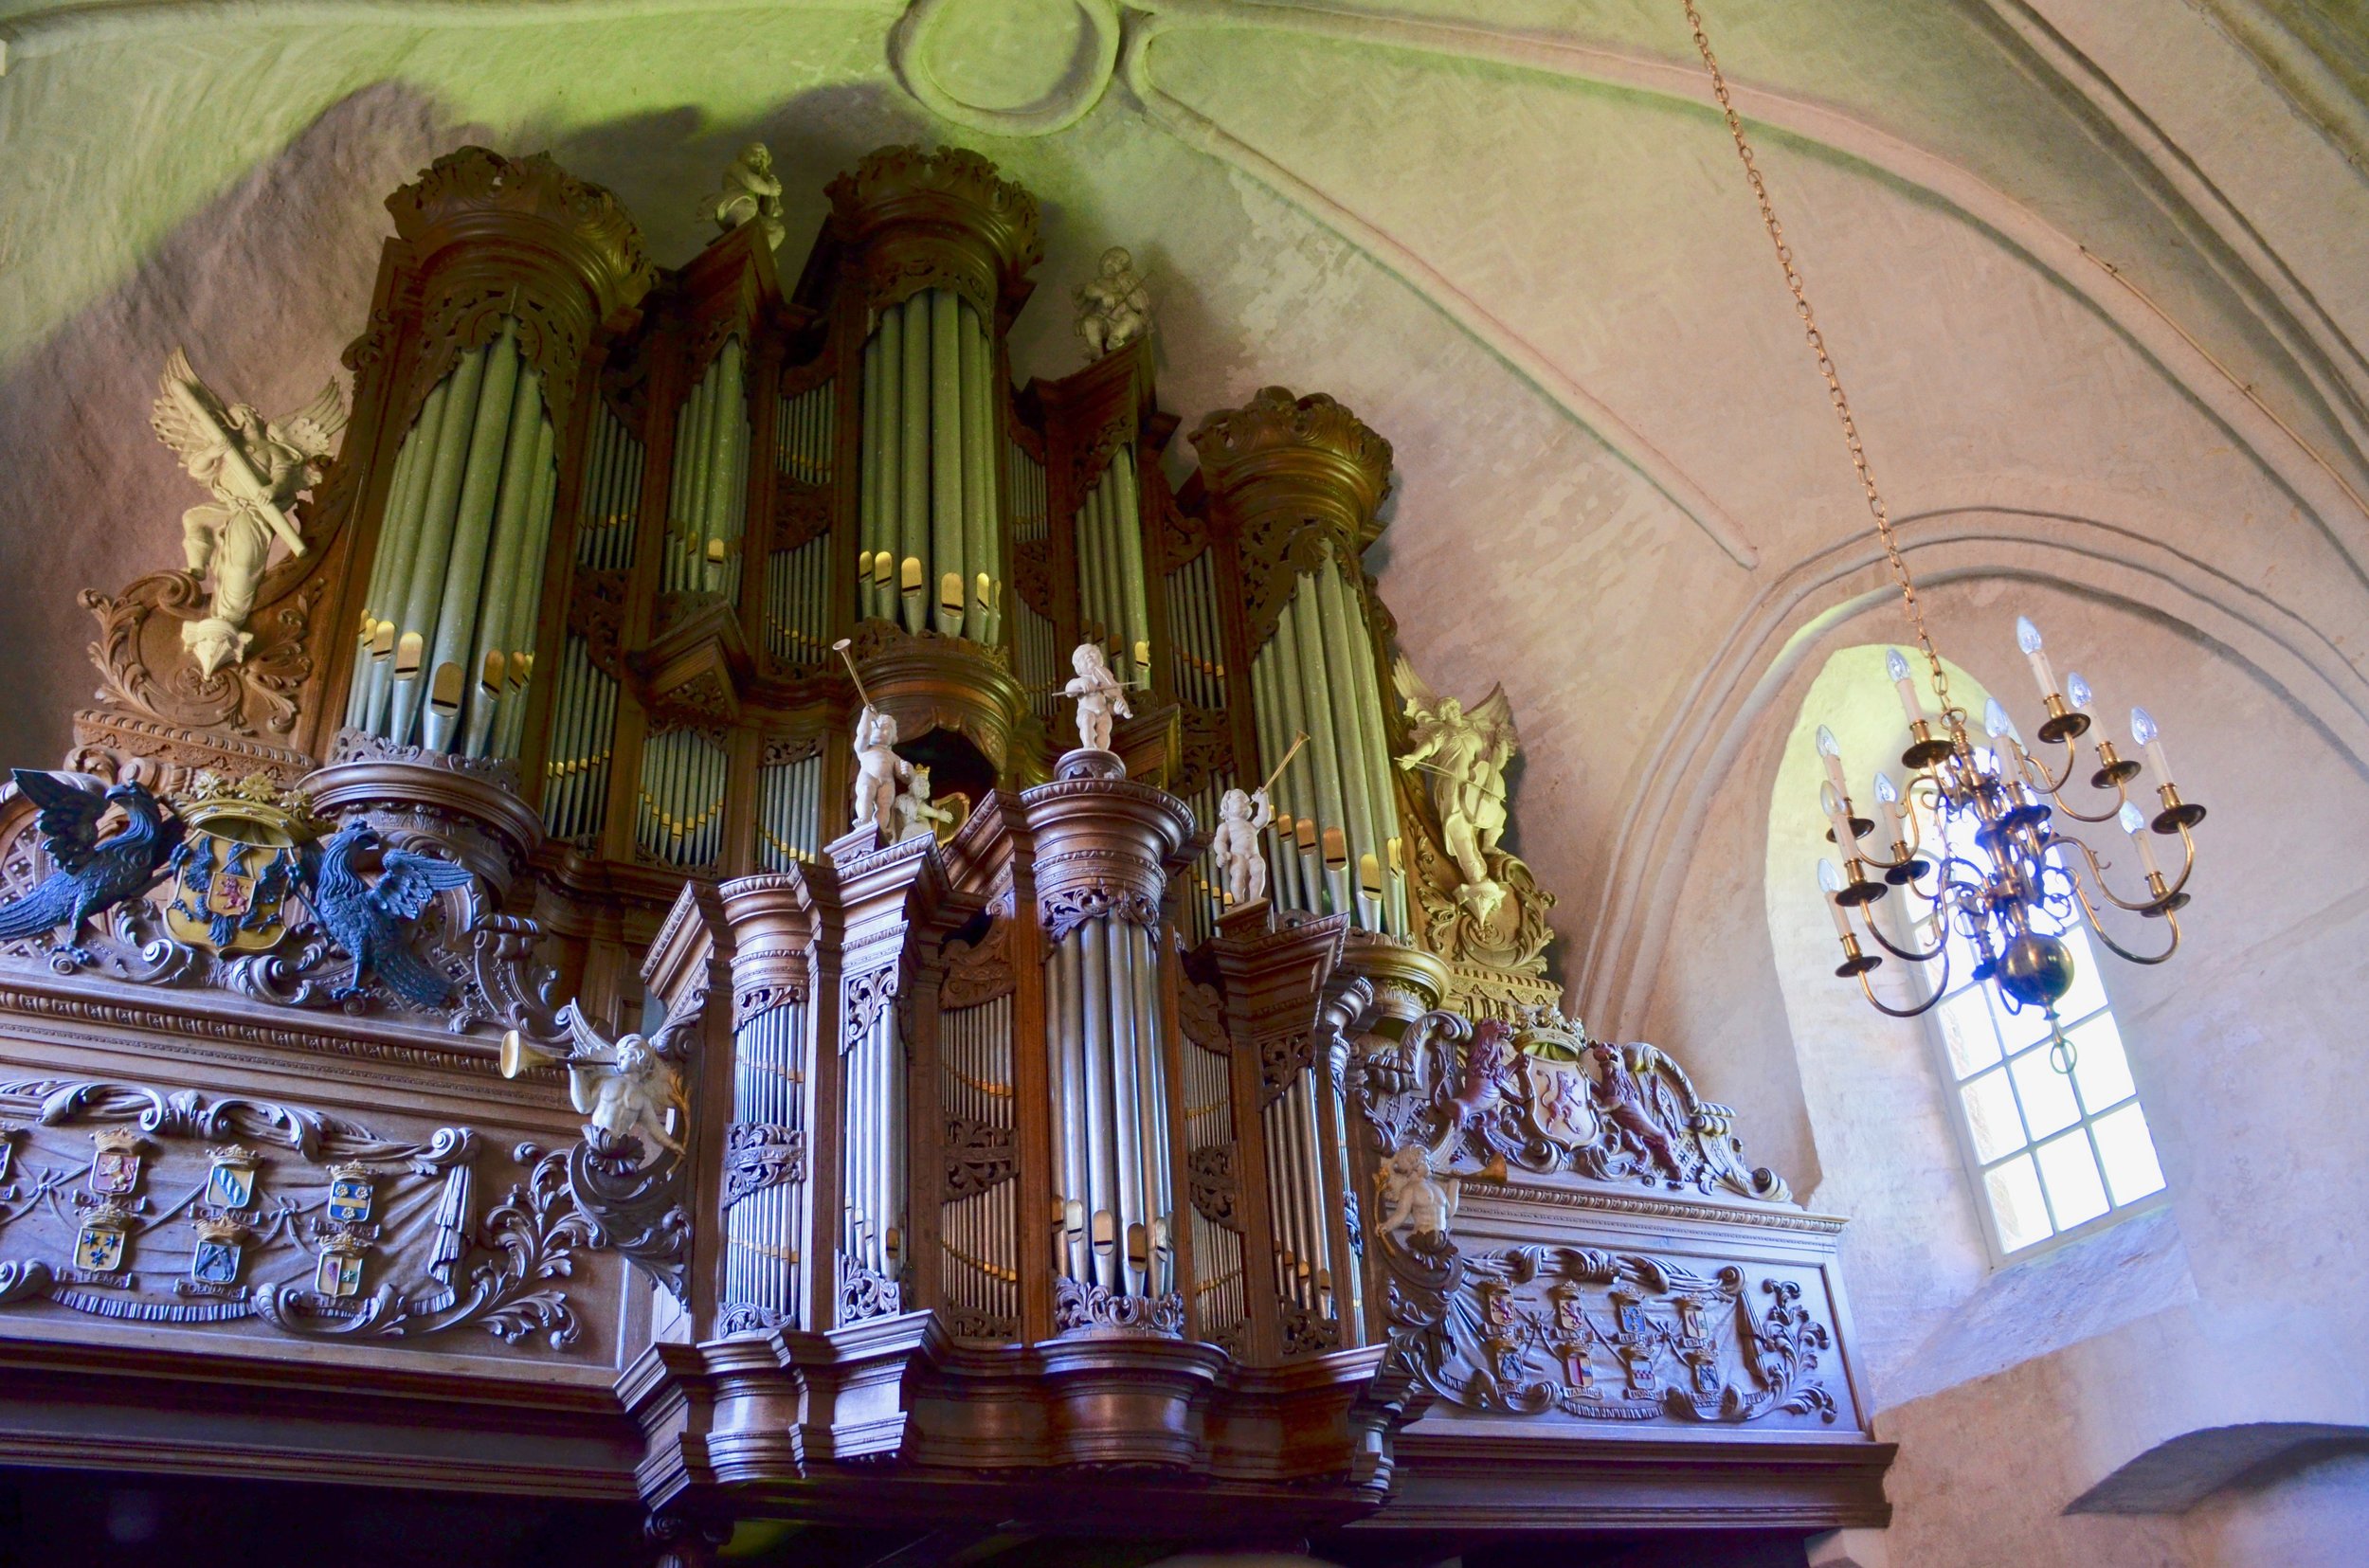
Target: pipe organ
{"points": [[1011, 1131]]}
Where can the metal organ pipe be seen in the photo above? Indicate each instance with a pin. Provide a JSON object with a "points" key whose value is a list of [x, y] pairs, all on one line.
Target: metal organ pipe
{"points": [[764, 1240], [446, 641], [1109, 1089], [798, 580]]}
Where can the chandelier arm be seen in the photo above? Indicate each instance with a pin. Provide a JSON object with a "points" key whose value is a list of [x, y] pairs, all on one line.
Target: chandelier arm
{"points": [[1940, 945], [2097, 874], [1817, 341], [2171, 918], [1919, 1010]]}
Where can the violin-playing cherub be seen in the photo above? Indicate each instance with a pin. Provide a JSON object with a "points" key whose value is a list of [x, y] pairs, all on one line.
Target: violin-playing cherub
{"points": [[1100, 698]]}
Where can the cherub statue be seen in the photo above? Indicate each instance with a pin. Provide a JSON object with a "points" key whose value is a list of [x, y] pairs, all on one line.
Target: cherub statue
{"points": [[1241, 816], [752, 193], [878, 771], [1412, 1196], [623, 1090], [917, 813], [1113, 307], [1465, 751], [1099, 697], [255, 467]]}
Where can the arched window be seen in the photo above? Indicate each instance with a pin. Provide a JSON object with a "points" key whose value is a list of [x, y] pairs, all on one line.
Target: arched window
{"points": [[2052, 1153]]}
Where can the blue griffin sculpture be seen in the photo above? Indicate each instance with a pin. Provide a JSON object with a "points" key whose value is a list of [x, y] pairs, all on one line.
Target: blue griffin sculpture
{"points": [[373, 921], [92, 875]]}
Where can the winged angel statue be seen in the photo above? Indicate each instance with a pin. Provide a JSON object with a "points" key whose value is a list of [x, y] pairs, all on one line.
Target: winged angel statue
{"points": [[626, 1091], [255, 467], [1465, 750]]}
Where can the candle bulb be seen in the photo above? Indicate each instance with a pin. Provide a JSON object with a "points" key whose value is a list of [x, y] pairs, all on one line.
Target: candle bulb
{"points": [[2028, 638], [2077, 689], [1830, 751], [2135, 823], [1995, 721], [1831, 881], [2143, 731], [1888, 797], [1896, 665], [1830, 801]]}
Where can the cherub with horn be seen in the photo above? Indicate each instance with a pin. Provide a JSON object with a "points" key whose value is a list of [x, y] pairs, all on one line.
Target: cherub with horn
{"points": [[255, 467], [625, 1089]]}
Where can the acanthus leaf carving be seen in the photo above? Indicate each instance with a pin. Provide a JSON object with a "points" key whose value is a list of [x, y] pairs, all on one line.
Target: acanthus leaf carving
{"points": [[1082, 1307]]}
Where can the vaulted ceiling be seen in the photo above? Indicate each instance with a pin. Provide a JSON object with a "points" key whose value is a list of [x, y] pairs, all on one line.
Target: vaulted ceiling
{"points": [[2092, 271]]}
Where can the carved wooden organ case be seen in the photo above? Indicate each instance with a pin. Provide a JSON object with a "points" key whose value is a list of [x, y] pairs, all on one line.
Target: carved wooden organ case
{"points": [[1003, 1147]]}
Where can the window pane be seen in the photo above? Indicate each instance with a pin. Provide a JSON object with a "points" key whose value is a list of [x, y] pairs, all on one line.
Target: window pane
{"points": [[2014, 1191], [2018, 1029], [1965, 1020], [2072, 1174], [2046, 1095], [2129, 1153], [2101, 1069], [2087, 995], [1991, 1116]]}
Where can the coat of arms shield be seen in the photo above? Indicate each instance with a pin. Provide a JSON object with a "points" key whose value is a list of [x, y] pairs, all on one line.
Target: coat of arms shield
{"points": [[237, 863], [230, 1180], [340, 1271], [1561, 1102], [349, 1194], [114, 1170], [101, 1246]]}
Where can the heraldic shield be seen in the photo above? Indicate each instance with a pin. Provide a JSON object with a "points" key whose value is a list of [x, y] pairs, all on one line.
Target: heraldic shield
{"points": [[237, 863]]}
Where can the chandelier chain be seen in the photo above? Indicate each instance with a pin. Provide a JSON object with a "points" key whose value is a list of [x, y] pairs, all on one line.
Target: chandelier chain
{"points": [[1818, 347]]}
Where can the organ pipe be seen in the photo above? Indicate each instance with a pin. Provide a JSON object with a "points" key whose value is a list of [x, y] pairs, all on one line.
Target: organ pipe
{"points": [[1317, 672], [708, 493], [930, 514], [765, 1239], [448, 615], [1112, 1172], [790, 813]]}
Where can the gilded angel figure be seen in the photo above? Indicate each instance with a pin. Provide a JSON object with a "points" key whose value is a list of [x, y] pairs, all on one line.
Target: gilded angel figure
{"points": [[254, 468], [1465, 751]]}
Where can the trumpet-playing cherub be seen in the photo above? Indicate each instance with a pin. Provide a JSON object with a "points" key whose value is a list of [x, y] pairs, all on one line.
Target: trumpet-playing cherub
{"points": [[1099, 697], [878, 771], [1414, 1196], [622, 1089], [1242, 815], [255, 467]]}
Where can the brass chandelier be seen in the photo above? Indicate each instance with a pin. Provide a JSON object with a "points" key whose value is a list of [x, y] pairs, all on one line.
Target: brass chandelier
{"points": [[2026, 877]]}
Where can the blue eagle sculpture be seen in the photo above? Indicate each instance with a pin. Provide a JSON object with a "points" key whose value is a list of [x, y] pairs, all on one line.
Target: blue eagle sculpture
{"points": [[371, 921], [92, 875]]}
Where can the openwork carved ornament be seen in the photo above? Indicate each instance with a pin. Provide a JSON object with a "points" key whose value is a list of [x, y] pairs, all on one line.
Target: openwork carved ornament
{"points": [[1080, 1307], [1064, 910], [1544, 1097]]}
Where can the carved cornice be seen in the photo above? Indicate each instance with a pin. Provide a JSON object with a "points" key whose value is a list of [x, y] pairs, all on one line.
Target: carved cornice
{"points": [[476, 195], [937, 220], [1291, 476]]}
